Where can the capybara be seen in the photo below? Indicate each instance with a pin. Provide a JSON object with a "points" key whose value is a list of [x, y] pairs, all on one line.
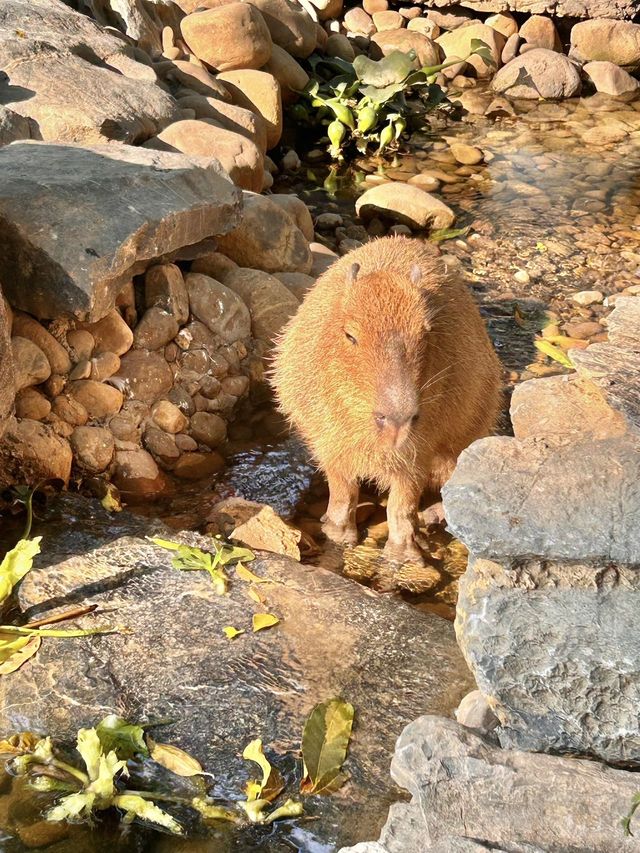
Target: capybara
{"points": [[388, 373]]}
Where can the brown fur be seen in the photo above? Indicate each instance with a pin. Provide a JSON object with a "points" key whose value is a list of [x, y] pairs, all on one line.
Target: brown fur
{"points": [[418, 344]]}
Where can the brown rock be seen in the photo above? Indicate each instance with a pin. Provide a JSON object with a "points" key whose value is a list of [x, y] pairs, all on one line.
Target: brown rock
{"points": [[291, 27], [185, 443], [388, 21], [511, 48], [31, 453], [98, 399], [504, 23], [93, 448], [218, 307], [196, 78], [32, 404], [146, 375], [31, 366], [156, 328], [239, 156], [235, 385], [137, 475], [164, 287], [111, 334], [540, 31], [208, 429], [607, 40], [468, 155], [255, 525], [359, 22], [81, 344], [290, 74], [298, 283], [196, 466], [230, 117], [427, 51], [215, 265], [322, 258], [458, 43], [259, 92], [270, 303], [231, 36], [372, 6], [161, 444], [104, 366], [168, 417], [26, 327], [82, 370], [297, 211], [339, 45], [266, 239], [425, 26], [70, 410]]}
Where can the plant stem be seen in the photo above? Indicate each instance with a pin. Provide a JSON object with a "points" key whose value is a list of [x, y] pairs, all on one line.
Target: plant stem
{"points": [[71, 770], [61, 617], [151, 795]]}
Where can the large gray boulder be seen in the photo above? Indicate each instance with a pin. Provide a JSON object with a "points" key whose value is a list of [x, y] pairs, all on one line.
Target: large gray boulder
{"points": [[470, 796], [336, 638], [77, 223], [76, 82], [547, 613]]}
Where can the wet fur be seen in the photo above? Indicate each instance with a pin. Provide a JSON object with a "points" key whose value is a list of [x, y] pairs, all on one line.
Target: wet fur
{"points": [[429, 336]]}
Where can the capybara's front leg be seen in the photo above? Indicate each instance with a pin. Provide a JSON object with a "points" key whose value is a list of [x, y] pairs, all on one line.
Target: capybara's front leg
{"points": [[340, 517], [402, 517]]}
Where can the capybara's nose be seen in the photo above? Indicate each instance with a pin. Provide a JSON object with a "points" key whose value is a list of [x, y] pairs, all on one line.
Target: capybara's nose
{"points": [[395, 421]]}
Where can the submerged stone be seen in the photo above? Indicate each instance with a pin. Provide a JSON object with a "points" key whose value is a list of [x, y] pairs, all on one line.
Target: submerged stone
{"points": [[335, 638]]}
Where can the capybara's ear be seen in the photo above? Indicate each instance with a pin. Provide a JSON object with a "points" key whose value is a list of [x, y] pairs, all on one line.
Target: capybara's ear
{"points": [[416, 275], [352, 274]]}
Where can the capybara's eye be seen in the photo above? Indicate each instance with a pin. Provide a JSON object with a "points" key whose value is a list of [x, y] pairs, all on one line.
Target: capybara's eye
{"points": [[350, 338]]}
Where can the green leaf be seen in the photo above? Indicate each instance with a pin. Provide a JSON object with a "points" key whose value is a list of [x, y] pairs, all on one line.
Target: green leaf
{"points": [[392, 68], [480, 48], [325, 741], [16, 564], [289, 809], [553, 352], [210, 811], [121, 737], [271, 783], [264, 620], [382, 95], [174, 759], [136, 806], [447, 234]]}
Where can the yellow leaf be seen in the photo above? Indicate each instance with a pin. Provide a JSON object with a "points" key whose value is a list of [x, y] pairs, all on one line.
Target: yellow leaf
{"points": [[548, 349], [245, 575], [16, 563], [264, 620], [27, 648], [271, 783], [174, 759], [210, 811], [288, 809], [232, 632], [136, 806], [19, 744], [567, 343], [111, 500], [255, 595], [325, 741]]}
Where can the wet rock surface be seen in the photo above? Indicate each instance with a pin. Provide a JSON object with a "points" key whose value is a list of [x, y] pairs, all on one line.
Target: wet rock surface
{"points": [[334, 638], [152, 195], [469, 795]]}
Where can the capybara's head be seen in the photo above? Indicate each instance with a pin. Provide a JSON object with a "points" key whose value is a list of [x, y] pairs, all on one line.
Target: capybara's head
{"points": [[382, 335]]}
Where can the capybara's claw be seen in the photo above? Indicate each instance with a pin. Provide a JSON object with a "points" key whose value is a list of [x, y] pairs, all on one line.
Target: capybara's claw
{"points": [[404, 552], [341, 534]]}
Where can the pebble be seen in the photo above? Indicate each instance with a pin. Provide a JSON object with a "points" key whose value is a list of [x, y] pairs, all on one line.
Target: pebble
{"points": [[168, 417], [467, 155], [588, 297], [328, 221], [522, 276]]}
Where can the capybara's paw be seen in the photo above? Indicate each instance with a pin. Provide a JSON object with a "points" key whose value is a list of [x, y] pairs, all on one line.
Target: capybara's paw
{"points": [[433, 514], [341, 534], [408, 551]]}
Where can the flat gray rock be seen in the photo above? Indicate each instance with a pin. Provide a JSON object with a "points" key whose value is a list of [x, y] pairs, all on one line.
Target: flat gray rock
{"points": [[76, 223], [335, 638]]}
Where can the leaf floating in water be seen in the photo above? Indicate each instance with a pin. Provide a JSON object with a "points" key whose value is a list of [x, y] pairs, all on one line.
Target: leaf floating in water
{"points": [[264, 620], [288, 809], [13, 654], [121, 737], [210, 811], [325, 741], [232, 632], [174, 759], [254, 809], [19, 744], [111, 500], [271, 783], [136, 806], [16, 564], [548, 349], [540, 247], [447, 234], [245, 575]]}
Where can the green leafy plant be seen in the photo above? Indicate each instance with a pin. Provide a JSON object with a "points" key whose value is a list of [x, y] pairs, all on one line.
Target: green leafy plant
{"points": [[188, 559], [365, 102]]}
